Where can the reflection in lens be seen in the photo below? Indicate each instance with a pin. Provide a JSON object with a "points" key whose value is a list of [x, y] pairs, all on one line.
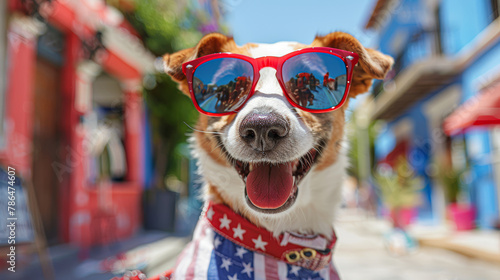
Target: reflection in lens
{"points": [[315, 81], [222, 85]]}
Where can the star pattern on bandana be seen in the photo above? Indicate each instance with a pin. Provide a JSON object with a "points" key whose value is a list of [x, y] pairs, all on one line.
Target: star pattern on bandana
{"points": [[295, 270], [238, 232], [224, 222], [210, 213], [217, 242], [237, 241], [226, 263], [240, 251], [247, 268], [259, 243]]}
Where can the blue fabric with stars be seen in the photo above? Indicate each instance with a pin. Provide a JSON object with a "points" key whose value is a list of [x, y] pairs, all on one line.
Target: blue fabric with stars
{"points": [[233, 262]]}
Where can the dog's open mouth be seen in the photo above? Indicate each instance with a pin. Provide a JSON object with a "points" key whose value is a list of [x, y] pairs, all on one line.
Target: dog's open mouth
{"points": [[272, 187]]}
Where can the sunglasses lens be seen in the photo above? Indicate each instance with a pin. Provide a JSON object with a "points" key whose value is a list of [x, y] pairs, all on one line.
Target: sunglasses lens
{"points": [[315, 81], [222, 85]]}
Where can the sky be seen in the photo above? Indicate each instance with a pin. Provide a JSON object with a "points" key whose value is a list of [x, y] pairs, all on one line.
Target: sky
{"points": [[269, 21]]}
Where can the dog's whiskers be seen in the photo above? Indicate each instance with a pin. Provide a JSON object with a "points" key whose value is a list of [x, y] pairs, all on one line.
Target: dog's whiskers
{"points": [[320, 152], [219, 145], [202, 131]]}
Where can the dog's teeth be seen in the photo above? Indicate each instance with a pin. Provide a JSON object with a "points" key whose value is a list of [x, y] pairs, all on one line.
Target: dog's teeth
{"points": [[294, 165], [250, 167]]}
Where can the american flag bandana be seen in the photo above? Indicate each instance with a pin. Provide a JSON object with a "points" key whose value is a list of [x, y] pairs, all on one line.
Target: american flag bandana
{"points": [[227, 246]]}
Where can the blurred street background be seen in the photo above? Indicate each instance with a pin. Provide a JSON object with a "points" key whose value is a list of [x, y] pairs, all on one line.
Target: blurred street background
{"points": [[96, 133]]}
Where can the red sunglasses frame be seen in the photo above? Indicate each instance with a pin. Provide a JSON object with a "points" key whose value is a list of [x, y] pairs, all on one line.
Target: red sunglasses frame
{"points": [[349, 58]]}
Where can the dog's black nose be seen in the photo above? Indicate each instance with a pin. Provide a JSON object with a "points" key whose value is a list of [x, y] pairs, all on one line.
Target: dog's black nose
{"points": [[262, 131]]}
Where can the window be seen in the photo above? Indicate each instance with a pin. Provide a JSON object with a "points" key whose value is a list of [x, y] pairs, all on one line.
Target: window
{"points": [[457, 32], [438, 32], [494, 9], [107, 120]]}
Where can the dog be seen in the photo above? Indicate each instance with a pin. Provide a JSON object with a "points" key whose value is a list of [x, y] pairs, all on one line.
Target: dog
{"points": [[282, 229]]}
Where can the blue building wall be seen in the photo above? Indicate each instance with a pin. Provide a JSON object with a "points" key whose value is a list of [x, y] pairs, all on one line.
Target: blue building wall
{"points": [[148, 149], [461, 22], [419, 154], [482, 187], [396, 37]]}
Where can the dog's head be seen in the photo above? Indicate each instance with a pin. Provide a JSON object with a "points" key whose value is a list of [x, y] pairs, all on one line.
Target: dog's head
{"points": [[271, 160]]}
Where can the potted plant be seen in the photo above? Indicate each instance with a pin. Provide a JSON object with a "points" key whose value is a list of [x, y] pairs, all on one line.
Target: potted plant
{"points": [[461, 213], [400, 191]]}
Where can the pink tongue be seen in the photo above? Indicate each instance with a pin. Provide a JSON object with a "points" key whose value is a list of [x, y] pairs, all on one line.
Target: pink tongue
{"points": [[269, 186]]}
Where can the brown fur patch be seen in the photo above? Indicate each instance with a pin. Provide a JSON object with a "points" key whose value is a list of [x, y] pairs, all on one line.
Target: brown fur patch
{"points": [[329, 129], [220, 123], [208, 141], [206, 134], [332, 148], [209, 44]]}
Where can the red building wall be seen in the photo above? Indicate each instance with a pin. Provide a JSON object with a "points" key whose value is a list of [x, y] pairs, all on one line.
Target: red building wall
{"points": [[19, 122], [89, 214]]}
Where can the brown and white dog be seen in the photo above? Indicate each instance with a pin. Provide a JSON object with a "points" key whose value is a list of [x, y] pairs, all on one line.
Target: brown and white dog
{"points": [[312, 145]]}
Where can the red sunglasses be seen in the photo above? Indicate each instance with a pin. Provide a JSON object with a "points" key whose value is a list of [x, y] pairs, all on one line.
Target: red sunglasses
{"points": [[315, 80]]}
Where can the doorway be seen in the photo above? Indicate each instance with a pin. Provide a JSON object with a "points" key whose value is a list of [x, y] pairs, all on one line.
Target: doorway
{"points": [[47, 138]]}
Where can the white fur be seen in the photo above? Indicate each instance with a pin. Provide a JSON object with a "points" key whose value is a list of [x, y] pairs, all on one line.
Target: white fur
{"points": [[276, 49], [319, 193], [268, 97], [314, 209]]}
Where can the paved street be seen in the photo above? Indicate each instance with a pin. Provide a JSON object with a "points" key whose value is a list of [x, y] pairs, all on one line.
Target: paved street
{"points": [[360, 254]]}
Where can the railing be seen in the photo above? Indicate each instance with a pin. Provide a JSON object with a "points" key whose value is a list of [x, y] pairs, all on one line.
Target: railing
{"points": [[421, 45], [377, 88]]}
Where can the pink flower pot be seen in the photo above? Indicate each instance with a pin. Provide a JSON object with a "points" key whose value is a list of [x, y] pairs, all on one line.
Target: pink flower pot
{"points": [[403, 217], [463, 215]]}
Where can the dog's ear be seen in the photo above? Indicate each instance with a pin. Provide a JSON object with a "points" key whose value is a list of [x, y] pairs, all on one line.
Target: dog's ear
{"points": [[372, 64], [209, 44]]}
